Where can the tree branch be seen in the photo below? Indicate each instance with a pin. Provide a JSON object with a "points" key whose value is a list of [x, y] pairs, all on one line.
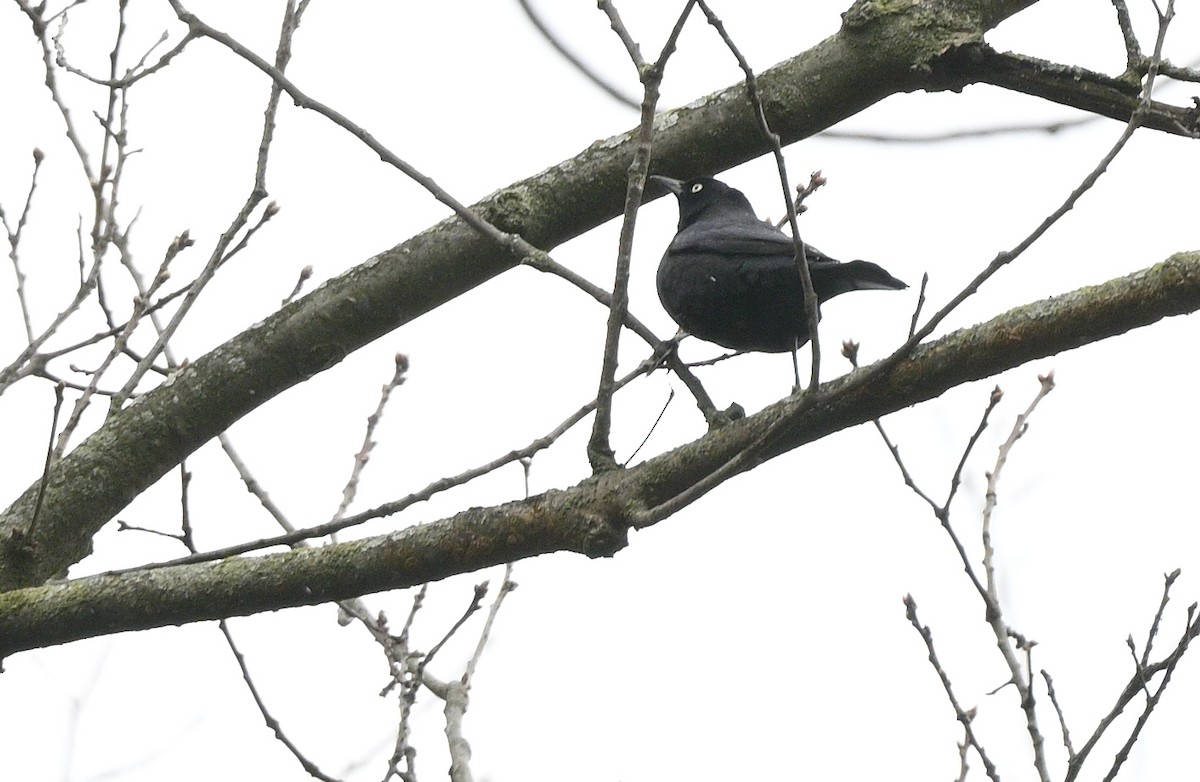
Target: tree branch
{"points": [[1115, 98]]}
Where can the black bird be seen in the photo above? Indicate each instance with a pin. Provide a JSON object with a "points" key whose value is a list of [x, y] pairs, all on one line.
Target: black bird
{"points": [[728, 277]]}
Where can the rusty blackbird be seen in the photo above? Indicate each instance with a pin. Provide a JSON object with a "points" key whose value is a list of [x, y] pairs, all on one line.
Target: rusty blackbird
{"points": [[728, 277]]}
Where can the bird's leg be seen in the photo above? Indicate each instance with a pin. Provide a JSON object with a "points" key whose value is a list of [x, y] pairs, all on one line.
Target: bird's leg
{"points": [[796, 363]]}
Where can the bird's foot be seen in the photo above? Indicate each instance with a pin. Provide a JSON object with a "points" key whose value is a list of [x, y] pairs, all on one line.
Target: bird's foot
{"points": [[720, 418]]}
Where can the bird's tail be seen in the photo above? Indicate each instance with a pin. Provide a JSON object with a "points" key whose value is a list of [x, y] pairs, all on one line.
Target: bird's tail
{"points": [[838, 278]]}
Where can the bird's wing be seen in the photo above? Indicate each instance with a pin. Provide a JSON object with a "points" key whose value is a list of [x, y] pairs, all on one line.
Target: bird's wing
{"points": [[742, 237]]}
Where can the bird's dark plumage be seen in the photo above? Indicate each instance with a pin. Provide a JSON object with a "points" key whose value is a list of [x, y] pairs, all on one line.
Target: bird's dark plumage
{"points": [[731, 278]]}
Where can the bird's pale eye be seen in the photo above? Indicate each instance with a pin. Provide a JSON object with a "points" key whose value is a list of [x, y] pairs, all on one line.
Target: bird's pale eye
{"points": [[696, 188]]}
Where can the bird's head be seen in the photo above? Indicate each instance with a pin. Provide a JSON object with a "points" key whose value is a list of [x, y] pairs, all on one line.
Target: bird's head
{"points": [[703, 195]]}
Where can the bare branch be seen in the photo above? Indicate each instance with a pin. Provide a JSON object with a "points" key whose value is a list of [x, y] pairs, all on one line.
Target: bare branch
{"points": [[587, 72], [1133, 50], [1062, 720], [965, 717], [14, 242], [773, 141], [599, 449], [938, 137], [368, 444], [37, 508], [272, 723]]}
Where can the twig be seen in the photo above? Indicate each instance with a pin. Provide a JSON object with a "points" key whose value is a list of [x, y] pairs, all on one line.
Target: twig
{"points": [[37, 507], [956, 135], [506, 586], [712, 362], [1133, 50], [27, 360], [916, 316], [476, 603], [963, 767], [360, 459], [132, 75], [942, 511], [599, 447], [739, 461], [1004, 634], [1168, 666], [965, 717], [1135, 686], [587, 72], [772, 139], [987, 589], [251, 483], [303, 277], [909, 481], [221, 253], [457, 692], [956, 479], [1020, 426], [400, 655], [272, 723], [225, 247], [14, 242], [185, 513], [1062, 720], [1168, 581], [118, 345], [124, 526], [1139, 670], [816, 180]]}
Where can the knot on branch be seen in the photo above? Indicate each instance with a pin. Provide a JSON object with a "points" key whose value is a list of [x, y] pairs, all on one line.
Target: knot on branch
{"points": [[509, 210], [605, 534]]}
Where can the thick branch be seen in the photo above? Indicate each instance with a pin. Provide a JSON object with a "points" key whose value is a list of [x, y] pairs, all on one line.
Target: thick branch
{"points": [[592, 517], [1079, 88]]}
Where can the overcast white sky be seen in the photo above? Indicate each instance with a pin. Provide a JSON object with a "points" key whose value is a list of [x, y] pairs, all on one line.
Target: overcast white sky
{"points": [[759, 633]]}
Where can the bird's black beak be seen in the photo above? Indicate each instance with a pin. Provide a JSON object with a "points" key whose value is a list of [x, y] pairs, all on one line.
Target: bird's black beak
{"points": [[657, 184]]}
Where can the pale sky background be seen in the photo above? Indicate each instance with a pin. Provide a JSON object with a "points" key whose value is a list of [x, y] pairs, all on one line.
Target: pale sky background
{"points": [[760, 632]]}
